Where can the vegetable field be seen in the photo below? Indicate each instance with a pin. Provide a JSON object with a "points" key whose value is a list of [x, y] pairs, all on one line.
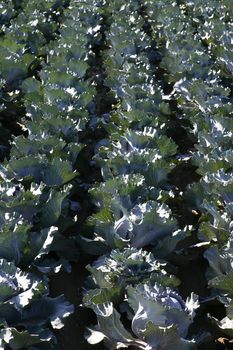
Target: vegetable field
{"points": [[116, 174]]}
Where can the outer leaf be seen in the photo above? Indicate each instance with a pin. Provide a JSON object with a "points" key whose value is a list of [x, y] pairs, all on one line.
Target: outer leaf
{"points": [[20, 340], [165, 338]]}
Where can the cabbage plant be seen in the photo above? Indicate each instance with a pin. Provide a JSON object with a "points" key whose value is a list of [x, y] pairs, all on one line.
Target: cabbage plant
{"points": [[159, 318], [27, 312], [131, 284]]}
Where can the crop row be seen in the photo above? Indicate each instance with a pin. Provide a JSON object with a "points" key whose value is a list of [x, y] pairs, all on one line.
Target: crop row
{"points": [[37, 179], [26, 29], [135, 160], [201, 80]]}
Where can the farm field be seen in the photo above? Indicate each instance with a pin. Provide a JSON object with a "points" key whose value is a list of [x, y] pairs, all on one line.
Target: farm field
{"points": [[116, 174]]}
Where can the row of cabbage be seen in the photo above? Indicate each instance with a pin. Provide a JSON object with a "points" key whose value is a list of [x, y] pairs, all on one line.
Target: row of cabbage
{"points": [[198, 63], [131, 291], [37, 181], [26, 29]]}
